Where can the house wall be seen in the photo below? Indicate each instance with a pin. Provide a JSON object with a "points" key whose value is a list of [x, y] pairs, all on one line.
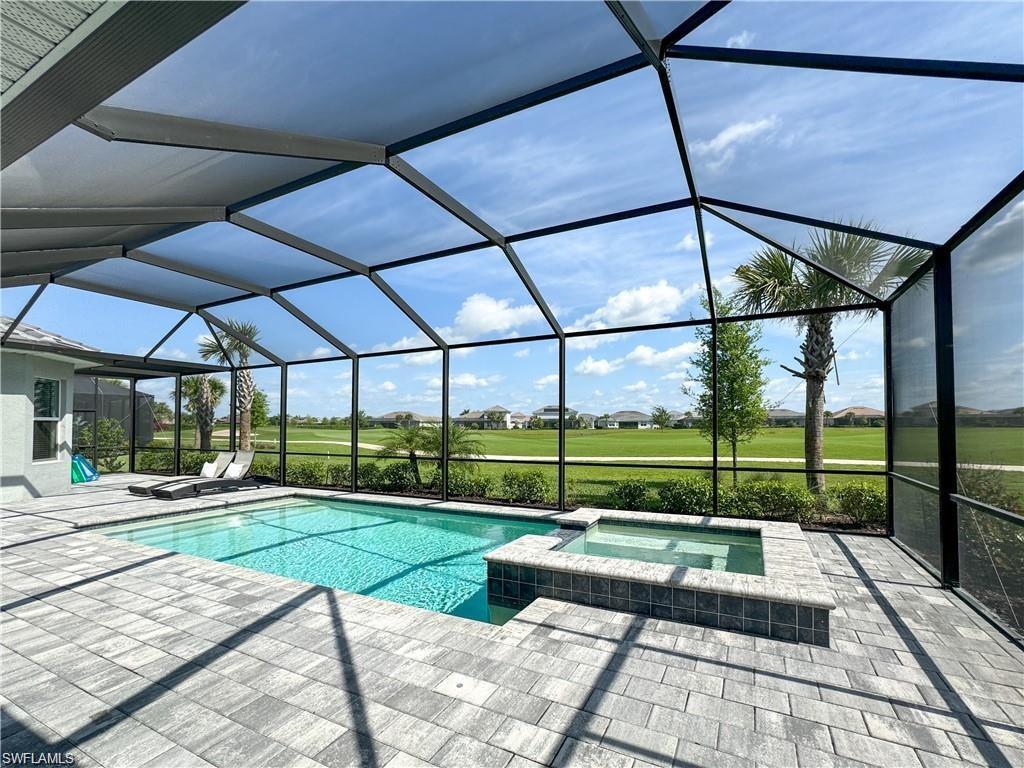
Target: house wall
{"points": [[20, 477]]}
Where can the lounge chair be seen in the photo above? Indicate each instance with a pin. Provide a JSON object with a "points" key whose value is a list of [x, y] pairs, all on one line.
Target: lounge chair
{"points": [[196, 486], [146, 488]]}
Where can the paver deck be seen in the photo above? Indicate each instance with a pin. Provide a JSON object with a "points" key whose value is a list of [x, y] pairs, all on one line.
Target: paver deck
{"points": [[123, 655]]}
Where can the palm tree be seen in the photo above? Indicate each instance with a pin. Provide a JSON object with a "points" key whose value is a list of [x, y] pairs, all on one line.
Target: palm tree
{"points": [[774, 281], [463, 442], [409, 440], [214, 348], [202, 395]]}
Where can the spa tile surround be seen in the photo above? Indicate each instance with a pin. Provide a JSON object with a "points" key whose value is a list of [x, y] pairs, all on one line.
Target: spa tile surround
{"points": [[790, 602]]}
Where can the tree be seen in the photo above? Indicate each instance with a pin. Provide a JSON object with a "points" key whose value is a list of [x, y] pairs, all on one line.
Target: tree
{"points": [[495, 418], [463, 442], [111, 445], [742, 409], [211, 348], [535, 422], [661, 417], [202, 394], [408, 440], [260, 409], [774, 281], [163, 415]]}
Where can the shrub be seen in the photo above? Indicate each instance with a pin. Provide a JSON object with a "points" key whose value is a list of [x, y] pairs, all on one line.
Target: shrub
{"points": [[690, 495], [111, 446], [154, 461], [317, 472], [766, 499], [368, 476], [864, 504], [630, 493], [397, 477], [463, 481], [192, 461], [524, 487], [265, 466]]}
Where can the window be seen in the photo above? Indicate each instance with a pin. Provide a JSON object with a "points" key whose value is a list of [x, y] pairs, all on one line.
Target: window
{"points": [[45, 418]]}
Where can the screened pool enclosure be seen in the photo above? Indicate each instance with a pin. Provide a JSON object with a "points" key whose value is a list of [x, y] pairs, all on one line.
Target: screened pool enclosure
{"points": [[515, 252]]}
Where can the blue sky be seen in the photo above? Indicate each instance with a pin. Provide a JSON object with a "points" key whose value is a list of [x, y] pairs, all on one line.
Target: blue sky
{"points": [[911, 155]]}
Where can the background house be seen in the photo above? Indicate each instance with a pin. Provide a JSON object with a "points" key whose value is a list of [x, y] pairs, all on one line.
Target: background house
{"points": [[857, 415], [495, 417], [548, 416], [626, 420], [784, 417], [394, 419]]}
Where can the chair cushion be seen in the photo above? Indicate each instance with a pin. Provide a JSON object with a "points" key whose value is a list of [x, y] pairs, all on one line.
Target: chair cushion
{"points": [[234, 471], [209, 469]]}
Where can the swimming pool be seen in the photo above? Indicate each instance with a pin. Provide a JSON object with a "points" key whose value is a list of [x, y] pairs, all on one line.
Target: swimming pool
{"points": [[408, 555], [688, 546]]}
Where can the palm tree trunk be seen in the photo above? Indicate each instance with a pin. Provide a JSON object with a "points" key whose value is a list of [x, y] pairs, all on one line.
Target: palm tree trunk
{"points": [[246, 392], [735, 474], [205, 414], [414, 461], [818, 356]]}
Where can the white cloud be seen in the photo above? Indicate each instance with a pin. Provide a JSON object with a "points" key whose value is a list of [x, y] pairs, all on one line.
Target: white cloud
{"points": [[175, 354], [423, 358], [638, 306], [638, 386], [741, 39], [853, 354], [691, 242], [522, 352], [472, 381], [481, 314], [591, 367], [387, 386], [546, 381], [721, 150], [322, 352], [680, 375], [666, 358], [406, 342]]}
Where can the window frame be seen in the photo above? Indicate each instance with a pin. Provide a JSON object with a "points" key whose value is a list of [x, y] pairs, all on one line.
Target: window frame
{"points": [[56, 419]]}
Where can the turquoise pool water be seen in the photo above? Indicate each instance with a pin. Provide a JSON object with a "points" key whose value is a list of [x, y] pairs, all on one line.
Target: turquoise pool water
{"points": [[407, 555], [690, 547]]}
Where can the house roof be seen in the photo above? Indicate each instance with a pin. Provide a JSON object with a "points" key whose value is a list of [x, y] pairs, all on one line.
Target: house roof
{"points": [[33, 334], [630, 416], [393, 415], [782, 413], [858, 410]]}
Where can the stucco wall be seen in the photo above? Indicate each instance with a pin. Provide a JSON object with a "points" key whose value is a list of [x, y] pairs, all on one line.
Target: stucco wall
{"points": [[20, 477]]}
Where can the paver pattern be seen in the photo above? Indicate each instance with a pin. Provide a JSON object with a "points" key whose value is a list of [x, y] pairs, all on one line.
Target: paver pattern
{"points": [[124, 655]]}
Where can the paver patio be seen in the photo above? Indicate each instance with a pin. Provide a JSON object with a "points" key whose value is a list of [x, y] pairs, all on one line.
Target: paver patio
{"points": [[125, 655]]}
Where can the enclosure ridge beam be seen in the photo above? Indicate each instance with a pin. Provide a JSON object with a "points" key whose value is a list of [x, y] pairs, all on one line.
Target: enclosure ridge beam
{"points": [[140, 127], [832, 274], [112, 360], [298, 243], [115, 44], [408, 311], [24, 311], [427, 187], [313, 325], [691, 23], [27, 262], [120, 293], [19, 281], [52, 218], [533, 290], [810, 221], [168, 335], [418, 181], [224, 352], [287, 238], [226, 328], [652, 56], [963, 70], [145, 257], [676, 121]]}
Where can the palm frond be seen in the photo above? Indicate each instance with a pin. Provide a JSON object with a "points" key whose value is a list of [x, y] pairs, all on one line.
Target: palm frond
{"points": [[769, 282]]}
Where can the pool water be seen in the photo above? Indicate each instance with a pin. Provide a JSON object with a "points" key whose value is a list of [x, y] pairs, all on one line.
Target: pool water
{"points": [[407, 555], [690, 547]]}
